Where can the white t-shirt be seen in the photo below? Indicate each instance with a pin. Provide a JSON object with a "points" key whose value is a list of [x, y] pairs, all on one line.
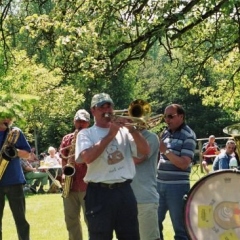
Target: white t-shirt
{"points": [[115, 164], [51, 161]]}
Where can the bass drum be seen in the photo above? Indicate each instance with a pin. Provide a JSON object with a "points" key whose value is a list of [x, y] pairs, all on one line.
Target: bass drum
{"points": [[212, 208]]}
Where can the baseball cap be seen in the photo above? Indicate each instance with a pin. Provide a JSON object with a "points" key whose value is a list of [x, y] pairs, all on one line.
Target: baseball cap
{"points": [[82, 114], [100, 99]]}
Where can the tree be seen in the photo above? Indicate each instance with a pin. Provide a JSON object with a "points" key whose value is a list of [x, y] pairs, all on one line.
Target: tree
{"points": [[99, 38], [49, 118], [97, 45], [205, 120]]}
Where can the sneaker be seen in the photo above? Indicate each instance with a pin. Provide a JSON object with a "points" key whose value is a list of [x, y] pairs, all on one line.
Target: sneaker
{"points": [[41, 191], [33, 189]]}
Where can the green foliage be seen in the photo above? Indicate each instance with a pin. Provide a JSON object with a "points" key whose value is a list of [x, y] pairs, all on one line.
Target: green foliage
{"points": [[63, 52], [55, 103], [160, 81], [13, 105]]}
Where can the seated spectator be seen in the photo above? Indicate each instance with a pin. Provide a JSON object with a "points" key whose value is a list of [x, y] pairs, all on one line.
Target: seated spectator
{"points": [[223, 159], [32, 174], [209, 148], [52, 160], [33, 160], [42, 156]]}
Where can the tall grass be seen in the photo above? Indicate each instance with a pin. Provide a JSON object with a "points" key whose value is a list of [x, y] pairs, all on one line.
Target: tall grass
{"points": [[45, 216]]}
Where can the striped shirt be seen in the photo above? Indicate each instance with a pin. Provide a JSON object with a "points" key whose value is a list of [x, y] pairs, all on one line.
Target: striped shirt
{"points": [[182, 143]]}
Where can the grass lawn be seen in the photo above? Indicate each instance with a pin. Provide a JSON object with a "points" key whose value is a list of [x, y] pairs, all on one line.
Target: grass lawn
{"points": [[45, 215]]}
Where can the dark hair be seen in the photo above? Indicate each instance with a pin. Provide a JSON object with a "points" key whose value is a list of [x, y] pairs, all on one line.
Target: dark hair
{"points": [[41, 156], [179, 108]]}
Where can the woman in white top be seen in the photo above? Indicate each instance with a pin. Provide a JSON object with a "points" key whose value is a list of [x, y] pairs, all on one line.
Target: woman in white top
{"points": [[52, 160]]}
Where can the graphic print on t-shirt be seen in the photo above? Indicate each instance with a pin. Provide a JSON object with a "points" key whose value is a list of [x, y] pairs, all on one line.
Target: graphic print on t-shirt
{"points": [[114, 155]]}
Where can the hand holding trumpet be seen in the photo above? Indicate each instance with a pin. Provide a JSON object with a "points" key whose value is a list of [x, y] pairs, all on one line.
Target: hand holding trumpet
{"points": [[117, 122]]}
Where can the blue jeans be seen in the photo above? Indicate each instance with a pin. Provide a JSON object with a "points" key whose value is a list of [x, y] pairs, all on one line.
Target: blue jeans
{"points": [[171, 198], [16, 201]]}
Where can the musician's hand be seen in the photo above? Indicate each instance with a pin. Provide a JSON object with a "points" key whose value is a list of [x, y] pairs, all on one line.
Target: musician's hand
{"points": [[162, 147], [10, 151], [127, 123], [114, 128]]}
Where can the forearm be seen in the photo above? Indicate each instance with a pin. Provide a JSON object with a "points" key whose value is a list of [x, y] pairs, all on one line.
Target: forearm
{"points": [[92, 153], [139, 160], [180, 162], [23, 154]]}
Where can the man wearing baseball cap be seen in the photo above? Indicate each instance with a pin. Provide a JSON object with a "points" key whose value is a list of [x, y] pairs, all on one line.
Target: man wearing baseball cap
{"points": [[73, 198], [108, 148]]}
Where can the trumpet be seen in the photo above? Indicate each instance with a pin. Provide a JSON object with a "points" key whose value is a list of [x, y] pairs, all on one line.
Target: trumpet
{"points": [[138, 113]]}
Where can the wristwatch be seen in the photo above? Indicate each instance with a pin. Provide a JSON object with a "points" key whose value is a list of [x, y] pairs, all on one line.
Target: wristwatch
{"points": [[167, 152]]}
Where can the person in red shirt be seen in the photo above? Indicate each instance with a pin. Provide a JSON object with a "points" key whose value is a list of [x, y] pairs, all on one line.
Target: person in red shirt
{"points": [[73, 202], [209, 148]]}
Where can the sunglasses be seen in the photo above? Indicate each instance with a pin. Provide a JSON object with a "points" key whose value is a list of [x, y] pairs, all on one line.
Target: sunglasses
{"points": [[170, 116]]}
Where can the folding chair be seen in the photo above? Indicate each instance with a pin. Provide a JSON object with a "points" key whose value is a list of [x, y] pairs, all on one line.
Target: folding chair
{"points": [[195, 170]]}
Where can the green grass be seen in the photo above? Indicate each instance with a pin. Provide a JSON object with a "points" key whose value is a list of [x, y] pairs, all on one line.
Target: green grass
{"points": [[45, 216]]}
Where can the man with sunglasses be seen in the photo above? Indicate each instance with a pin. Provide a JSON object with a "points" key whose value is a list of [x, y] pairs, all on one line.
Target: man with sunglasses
{"points": [[177, 145], [108, 148]]}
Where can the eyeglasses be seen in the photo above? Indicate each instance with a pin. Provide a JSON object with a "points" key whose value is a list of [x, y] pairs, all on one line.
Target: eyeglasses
{"points": [[170, 116]]}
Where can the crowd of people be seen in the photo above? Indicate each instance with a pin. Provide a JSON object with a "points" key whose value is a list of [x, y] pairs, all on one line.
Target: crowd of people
{"points": [[120, 176], [215, 159]]}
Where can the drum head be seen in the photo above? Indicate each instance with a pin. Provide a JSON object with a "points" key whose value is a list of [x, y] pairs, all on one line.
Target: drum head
{"points": [[212, 208]]}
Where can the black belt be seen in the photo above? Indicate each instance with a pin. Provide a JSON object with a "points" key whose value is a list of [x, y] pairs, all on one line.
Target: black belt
{"points": [[110, 185]]}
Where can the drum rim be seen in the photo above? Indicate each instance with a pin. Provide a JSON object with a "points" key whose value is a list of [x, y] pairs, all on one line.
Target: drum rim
{"points": [[193, 190]]}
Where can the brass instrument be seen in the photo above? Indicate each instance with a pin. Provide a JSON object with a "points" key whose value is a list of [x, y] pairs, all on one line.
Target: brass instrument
{"points": [[67, 147], [138, 112], [69, 168], [155, 120], [12, 136], [234, 131]]}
